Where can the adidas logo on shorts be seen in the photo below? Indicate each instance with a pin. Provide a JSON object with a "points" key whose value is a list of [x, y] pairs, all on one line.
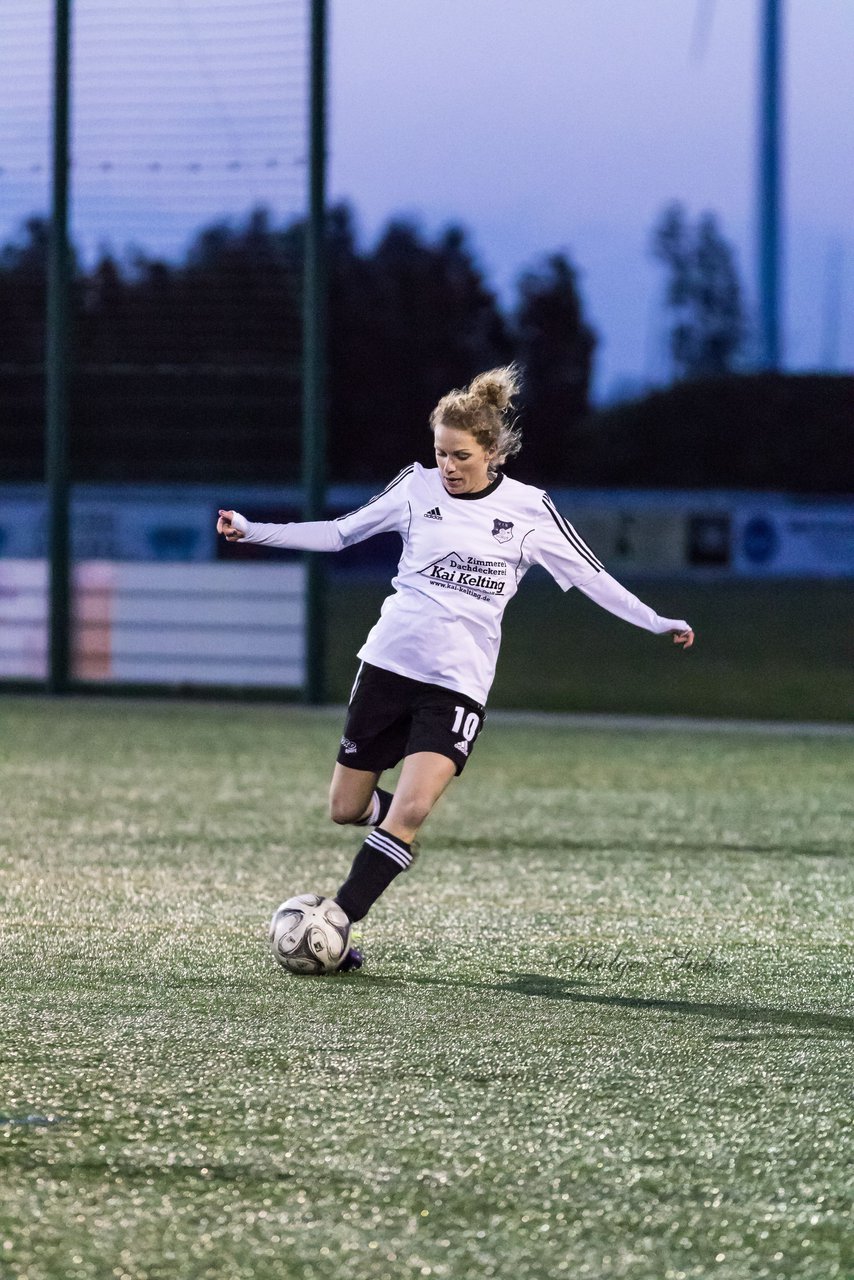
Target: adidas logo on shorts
{"points": [[462, 746], [435, 514]]}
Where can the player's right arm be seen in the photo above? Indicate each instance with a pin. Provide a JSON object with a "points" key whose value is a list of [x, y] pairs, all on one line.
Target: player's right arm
{"points": [[310, 535], [386, 512]]}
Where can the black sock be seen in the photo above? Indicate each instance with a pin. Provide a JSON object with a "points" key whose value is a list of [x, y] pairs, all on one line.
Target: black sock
{"points": [[380, 859], [383, 804], [385, 798]]}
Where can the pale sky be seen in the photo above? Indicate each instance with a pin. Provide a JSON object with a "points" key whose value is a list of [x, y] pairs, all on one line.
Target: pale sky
{"points": [[569, 124], [538, 124]]}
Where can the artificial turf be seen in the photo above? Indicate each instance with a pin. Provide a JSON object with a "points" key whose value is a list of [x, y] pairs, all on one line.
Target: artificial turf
{"points": [[604, 1029]]}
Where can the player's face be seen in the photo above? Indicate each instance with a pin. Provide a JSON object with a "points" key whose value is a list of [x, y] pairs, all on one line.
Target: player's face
{"points": [[463, 463]]}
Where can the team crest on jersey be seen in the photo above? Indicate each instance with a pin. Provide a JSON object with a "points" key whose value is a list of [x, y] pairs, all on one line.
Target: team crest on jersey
{"points": [[502, 530]]}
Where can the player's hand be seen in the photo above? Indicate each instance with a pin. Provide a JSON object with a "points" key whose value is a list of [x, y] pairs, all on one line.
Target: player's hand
{"points": [[685, 638], [227, 527]]}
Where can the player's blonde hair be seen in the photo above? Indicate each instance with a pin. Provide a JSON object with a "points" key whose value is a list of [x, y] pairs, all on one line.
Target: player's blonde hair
{"points": [[485, 409]]}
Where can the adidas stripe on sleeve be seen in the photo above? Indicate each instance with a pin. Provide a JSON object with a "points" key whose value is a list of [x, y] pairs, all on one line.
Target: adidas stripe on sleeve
{"points": [[561, 550], [575, 541]]}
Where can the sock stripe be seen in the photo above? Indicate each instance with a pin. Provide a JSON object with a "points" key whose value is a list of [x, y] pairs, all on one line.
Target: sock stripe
{"points": [[393, 855], [391, 842], [392, 848], [401, 861]]}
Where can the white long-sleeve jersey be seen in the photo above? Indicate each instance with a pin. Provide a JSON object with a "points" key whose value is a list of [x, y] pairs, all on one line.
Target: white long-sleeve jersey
{"points": [[463, 559]]}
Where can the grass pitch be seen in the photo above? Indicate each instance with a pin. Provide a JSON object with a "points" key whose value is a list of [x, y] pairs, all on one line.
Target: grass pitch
{"points": [[604, 1030]]}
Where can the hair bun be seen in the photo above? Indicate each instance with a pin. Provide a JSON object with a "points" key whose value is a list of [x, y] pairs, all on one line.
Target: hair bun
{"points": [[497, 386]]}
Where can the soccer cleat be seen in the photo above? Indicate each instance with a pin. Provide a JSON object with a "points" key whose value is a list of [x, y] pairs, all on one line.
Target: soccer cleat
{"points": [[353, 960]]}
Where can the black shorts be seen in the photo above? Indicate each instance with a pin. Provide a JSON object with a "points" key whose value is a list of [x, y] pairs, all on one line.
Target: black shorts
{"points": [[391, 716]]}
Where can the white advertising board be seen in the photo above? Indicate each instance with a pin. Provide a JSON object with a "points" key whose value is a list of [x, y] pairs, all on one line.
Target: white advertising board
{"points": [[228, 624]]}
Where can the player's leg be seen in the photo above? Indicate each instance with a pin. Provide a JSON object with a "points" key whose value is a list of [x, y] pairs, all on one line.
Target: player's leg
{"points": [[355, 799], [423, 778], [443, 729], [351, 794], [373, 740], [388, 850]]}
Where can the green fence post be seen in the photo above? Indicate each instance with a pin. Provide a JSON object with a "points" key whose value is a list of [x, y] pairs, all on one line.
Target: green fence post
{"points": [[769, 185], [56, 368], [314, 357]]}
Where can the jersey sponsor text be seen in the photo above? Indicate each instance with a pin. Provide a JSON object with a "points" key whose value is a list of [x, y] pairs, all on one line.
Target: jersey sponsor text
{"points": [[477, 577]]}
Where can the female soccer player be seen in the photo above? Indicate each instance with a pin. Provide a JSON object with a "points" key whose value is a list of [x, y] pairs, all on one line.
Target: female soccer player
{"points": [[469, 534]]}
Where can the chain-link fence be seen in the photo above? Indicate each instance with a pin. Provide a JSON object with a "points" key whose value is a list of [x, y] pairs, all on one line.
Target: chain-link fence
{"points": [[188, 194]]}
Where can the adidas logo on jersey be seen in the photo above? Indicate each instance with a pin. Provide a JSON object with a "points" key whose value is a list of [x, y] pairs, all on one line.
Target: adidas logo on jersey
{"points": [[462, 746], [434, 514]]}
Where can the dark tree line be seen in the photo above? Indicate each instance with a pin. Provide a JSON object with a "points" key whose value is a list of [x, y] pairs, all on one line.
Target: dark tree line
{"points": [[190, 370], [784, 432]]}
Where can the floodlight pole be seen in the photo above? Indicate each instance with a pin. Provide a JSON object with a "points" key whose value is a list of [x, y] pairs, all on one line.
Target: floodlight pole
{"points": [[57, 345], [769, 186], [314, 357]]}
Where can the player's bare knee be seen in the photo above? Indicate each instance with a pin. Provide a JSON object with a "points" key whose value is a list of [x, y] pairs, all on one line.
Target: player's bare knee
{"points": [[343, 811], [411, 812]]}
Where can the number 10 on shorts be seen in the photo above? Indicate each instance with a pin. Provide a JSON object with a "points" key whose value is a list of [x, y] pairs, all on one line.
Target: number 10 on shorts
{"points": [[468, 725]]}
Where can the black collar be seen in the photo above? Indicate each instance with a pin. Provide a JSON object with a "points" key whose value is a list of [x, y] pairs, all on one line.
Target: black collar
{"points": [[481, 493]]}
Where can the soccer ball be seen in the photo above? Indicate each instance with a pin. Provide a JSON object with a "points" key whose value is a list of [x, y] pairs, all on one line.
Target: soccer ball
{"points": [[310, 934]]}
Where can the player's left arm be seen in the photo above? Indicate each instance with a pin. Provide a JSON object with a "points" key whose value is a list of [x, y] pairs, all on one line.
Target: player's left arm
{"points": [[560, 549], [613, 596]]}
